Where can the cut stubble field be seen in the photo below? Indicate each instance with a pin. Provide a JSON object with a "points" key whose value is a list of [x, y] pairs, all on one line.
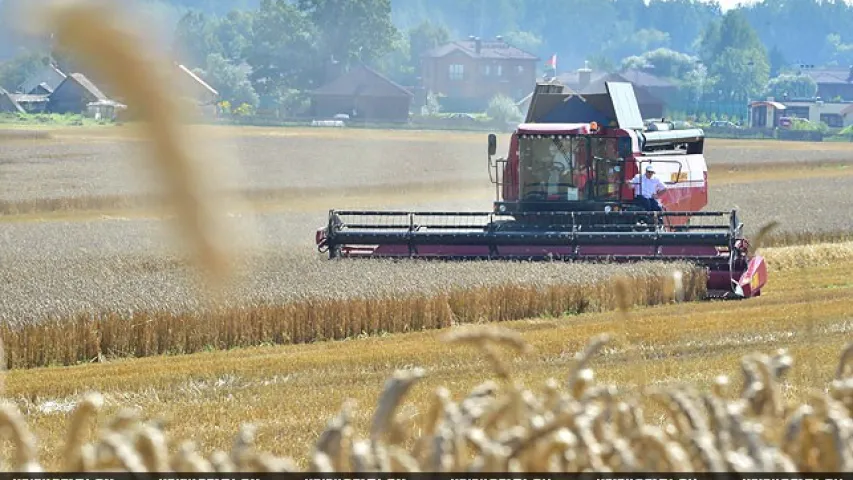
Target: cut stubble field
{"points": [[82, 232]]}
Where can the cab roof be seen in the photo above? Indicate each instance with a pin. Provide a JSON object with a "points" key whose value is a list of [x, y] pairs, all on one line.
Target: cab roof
{"points": [[553, 128]]}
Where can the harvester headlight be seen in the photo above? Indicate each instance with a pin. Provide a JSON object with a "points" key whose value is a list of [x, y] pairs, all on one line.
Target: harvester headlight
{"points": [[608, 209], [502, 208]]}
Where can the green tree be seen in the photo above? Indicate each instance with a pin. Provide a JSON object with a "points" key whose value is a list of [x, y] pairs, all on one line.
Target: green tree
{"points": [[741, 73], [664, 62], [649, 38], [284, 53], [793, 86], [195, 39], [694, 84], [424, 37], [602, 63], [527, 41], [503, 109], [839, 52], [733, 31], [736, 59], [353, 30], [397, 64], [234, 35], [777, 61], [232, 82]]}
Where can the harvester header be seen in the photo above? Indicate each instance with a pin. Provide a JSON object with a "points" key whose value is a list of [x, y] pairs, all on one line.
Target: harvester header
{"points": [[571, 188]]}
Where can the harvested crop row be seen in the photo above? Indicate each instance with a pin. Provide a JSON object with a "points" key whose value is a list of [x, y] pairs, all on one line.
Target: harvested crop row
{"points": [[148, 307]]}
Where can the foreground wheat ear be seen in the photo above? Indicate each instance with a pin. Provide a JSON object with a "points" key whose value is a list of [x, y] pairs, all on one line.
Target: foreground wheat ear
{"points": [[573, 425], [99, 34]]}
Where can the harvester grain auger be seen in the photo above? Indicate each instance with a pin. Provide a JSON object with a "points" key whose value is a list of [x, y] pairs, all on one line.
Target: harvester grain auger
{"points": [[563, 194]]}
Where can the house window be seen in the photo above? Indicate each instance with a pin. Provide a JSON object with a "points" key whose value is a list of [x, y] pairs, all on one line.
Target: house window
{"points": [[456, 72], [500, 70], [832, 119], [520, 69], [487, 70], [800, 112]]}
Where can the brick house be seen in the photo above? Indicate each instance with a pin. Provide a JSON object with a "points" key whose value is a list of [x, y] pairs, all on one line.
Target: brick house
{"points": [[469, 73]]}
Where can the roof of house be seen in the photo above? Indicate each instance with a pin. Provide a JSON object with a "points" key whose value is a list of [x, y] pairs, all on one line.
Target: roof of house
{"points": [[767, 103], [43, 86], [86, 84], [29, 97], [106, 103], [829, 75], [636, 77], [598, 86], [572, 79], [10, 103], [643, 79], [494, 49], [529, 96], [365, 82], [50, 75]]}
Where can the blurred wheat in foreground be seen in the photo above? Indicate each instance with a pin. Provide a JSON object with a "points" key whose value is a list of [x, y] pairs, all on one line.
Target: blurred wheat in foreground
{"points": [[573, 425], [570, 425], [102, 35]]}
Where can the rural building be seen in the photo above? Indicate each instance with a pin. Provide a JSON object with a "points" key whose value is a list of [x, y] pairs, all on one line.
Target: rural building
{"points": [[8, 104], [469, 73], [74, 95], [44, 81], [650, 105], [32, 103], [833, 84], [104, 109], [658, 87], [766, 114], [365, 95]]}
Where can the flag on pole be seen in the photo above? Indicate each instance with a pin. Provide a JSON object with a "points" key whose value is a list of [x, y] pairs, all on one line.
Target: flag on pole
{"points": [[552, 62]]}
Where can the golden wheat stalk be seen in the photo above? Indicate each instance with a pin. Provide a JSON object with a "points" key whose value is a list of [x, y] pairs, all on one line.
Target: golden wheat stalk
{"points": [[102, 37]]}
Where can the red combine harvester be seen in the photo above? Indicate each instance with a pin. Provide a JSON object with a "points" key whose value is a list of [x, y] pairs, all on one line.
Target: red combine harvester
{"points": [[562, 194]]}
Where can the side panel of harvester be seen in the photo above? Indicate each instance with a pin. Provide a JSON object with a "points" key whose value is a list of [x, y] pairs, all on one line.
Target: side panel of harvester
{"points": [[685, 172], [687, 188]]}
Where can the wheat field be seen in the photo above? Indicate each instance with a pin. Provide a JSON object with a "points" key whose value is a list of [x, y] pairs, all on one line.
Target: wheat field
{"points": [[608, 374]]}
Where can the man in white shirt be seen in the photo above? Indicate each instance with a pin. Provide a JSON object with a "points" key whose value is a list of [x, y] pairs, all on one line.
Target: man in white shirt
{"points": [[647, 189]]}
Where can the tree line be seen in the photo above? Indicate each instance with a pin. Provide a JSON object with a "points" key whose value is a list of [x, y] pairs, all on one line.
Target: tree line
{"points": [[268, 53]]}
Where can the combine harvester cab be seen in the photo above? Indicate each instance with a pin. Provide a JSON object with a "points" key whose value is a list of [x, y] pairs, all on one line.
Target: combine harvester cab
{"points": [[562, 194]]}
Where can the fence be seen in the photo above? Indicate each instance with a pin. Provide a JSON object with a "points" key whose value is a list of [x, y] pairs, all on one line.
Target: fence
{"points": [[715, 132], [708, 110]]}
